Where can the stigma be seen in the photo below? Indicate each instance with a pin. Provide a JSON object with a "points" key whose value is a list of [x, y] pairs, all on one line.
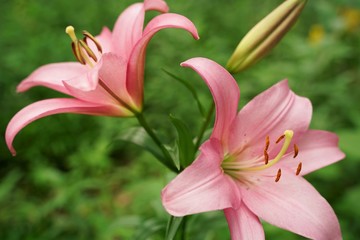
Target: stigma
{"points": [[81, 49], [241, 169]]}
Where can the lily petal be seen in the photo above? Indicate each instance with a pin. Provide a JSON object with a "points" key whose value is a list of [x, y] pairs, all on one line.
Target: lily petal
{"points": [[48, 107], [202, 186], [136, 62], [317, 150], [113, 75], [157, 5], [52, 76], [225, 92], [269, 114], [87, 81], [129, 26], [295, 205], [111, 70], [244, 224], [105, 41], [97, 96]]}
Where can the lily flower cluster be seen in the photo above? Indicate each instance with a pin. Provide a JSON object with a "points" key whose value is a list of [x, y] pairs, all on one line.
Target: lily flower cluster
{"points": [[253, 163]]}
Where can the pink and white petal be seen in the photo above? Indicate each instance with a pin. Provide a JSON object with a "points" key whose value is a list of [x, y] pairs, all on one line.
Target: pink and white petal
{"points": [[113, 74], [48, 107], [293, 204], [269, 114], [202, 186], [244, 224], [52, 76], [317, 150], [128, 29], [97, 96], [105, 40], [136, 62], [129, 26], [225, 92], [87, 81], [170, 20], [157, 5]]}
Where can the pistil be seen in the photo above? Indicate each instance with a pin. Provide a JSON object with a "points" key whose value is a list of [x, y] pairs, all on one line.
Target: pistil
{"points": [[80, 47], [288, 135], [239, 169]]}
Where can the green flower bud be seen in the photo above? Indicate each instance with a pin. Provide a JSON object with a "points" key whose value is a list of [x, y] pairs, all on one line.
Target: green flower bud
{"points": [[265, 35]]}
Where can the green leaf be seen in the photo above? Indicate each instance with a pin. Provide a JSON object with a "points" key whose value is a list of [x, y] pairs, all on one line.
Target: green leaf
{"points": [[139, 137], [148, 228], [172, 227], [185, 143], [190, 88]]}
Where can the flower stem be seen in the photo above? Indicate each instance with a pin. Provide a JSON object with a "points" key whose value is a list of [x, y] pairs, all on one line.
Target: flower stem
{"points": [[167, 160], [183, 228], [205, 125]]}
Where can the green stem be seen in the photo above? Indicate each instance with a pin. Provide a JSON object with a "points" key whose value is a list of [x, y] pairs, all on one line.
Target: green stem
{"points": [[183, 228], [205, 125], [167, 160]]}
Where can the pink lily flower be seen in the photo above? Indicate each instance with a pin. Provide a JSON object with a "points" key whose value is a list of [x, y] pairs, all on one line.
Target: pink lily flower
{"points": [[108, 79], [253, 163]]}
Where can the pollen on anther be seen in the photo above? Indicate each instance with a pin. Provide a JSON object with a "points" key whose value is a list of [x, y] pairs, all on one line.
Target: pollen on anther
{"points": [[278, 175], [280, 138], [296, 150], [298, 170], [88, 35], [266, 156]]}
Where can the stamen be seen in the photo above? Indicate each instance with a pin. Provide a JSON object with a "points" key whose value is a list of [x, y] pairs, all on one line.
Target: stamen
{"points": [[88, 50], [288, 135], [77, 52], [296, 150], [266, 156], [278, 175], [93, 39], [298, 170], [280, 138], [81, 49]]}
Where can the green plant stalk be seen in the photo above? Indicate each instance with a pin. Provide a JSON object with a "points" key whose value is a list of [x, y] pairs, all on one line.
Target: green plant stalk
{"points": [[205, 125], [167, 160], [183, 228]]}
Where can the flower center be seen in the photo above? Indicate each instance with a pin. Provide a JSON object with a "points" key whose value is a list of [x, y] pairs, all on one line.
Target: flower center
{"points": [[81, 49], [84, 53], [240, 169]]}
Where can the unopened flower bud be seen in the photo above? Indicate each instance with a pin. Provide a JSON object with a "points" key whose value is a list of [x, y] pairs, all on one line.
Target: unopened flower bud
{"points": [[265, 35]]}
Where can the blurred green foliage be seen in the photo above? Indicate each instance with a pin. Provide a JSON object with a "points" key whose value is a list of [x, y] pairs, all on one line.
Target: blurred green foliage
{"points": [[74, 179]]}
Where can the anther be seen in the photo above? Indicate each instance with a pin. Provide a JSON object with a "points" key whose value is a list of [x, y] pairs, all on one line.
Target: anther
{"points": [[280, 138], [278, 175], [298, 170], [93, 39], [266, 156], [296, 150], [288, 135], [88, 50], [77, 52], [81, 49]]}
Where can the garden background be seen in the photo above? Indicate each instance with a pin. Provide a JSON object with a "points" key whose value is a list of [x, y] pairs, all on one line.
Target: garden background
{"points": [[74, 178]]}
